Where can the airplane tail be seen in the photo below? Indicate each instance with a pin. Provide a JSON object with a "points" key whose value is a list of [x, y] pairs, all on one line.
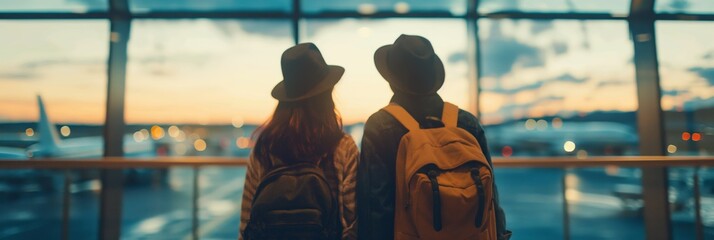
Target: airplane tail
{"points": [[49, 139]]}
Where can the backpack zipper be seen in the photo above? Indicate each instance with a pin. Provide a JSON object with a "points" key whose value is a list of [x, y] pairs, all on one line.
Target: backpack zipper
{"points": [[437, 199], [475, 174]]}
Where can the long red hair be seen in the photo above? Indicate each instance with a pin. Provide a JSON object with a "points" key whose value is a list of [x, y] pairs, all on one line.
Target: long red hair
{"points": [[305, 130]]}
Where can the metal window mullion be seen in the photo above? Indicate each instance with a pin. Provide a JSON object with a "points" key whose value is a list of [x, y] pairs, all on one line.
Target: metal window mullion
{"points": [[650, 120], [641, 8], [112, 180], [473, 54], [295, 17]]}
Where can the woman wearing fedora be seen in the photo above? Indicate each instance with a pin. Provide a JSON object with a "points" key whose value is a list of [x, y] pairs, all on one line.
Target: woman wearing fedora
{"points": [[300, 180]]}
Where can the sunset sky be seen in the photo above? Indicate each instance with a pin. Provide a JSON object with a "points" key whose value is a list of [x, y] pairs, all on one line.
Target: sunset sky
{"points": [[214, 71]]}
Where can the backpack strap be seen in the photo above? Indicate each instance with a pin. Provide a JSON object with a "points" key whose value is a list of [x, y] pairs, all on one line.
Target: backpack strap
{"points": [[450, 116], [402, 116]]}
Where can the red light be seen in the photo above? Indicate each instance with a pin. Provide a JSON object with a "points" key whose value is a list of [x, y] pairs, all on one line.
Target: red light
{"points": [[696, 137], [507, 151], [685, 136]]}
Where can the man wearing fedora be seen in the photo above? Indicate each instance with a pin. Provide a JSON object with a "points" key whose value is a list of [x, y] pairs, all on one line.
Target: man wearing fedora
{"points": [[415, 74]]}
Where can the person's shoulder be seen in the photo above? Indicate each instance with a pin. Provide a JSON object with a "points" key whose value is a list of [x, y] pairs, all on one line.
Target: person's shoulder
{"points": [[346, 152], [347, 143], [379, 121], [468, 120], [379, 116]]}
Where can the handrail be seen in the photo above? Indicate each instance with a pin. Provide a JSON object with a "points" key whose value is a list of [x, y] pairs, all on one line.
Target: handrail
{"points": [[511, 162]]}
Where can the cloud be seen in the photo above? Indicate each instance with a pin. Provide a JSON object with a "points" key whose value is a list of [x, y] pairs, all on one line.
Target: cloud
{"points": [[457, 57], [500, 55], [560, 48], [57, 62], [18, 75], [29, 70], [699, 103], [567, 77], [508, 109], [709, 55], [705, 72], [674, 92], [512, 91], [611, 83], [269, 28], [539, 26]]}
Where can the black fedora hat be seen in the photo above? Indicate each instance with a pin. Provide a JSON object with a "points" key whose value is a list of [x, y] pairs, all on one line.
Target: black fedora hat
{"points": [[305, 74], [410, 65]]}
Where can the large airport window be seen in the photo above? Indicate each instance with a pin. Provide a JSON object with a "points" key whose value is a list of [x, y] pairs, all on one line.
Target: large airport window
{"points": [[52, 101], [362, 90], [72, 6], [569, 6], [685, 6], [544, 92], [141, 6], [200, 87], [368, 7], [52, 88], [686, 67]]}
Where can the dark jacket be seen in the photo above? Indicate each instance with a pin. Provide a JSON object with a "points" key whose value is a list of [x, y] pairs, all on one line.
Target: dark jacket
{"points": [[376, 169]]}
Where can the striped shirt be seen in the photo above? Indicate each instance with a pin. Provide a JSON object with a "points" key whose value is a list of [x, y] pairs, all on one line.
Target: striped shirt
{"points": [[345, 161]]}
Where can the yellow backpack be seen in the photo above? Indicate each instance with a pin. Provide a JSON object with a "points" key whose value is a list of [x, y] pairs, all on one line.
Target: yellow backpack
{"points": [[444, 182]]}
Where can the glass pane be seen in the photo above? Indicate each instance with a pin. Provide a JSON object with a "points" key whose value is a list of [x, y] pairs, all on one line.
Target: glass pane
{"points": [[605, 203], [200, 87], [220, 201], [75, 6], [31, 204], [157, 203], [553, 88], [686, 67], [556, 6], [532, 212], [684, 6], [567, 88], [681, 200], [455, 7], [210, 5], [32, 201], [706, 187], [52, 88], [85, 190], [448, 37]]}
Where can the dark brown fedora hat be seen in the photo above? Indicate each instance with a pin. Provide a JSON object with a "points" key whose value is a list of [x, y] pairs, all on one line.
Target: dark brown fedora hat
{"points": [[305, 74], [410, 65]]}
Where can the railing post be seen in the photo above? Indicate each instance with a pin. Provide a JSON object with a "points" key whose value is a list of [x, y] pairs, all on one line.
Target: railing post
{"points": [[473, 56], [698, 206], [650, 120], [194, 204], [66, 202]]}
